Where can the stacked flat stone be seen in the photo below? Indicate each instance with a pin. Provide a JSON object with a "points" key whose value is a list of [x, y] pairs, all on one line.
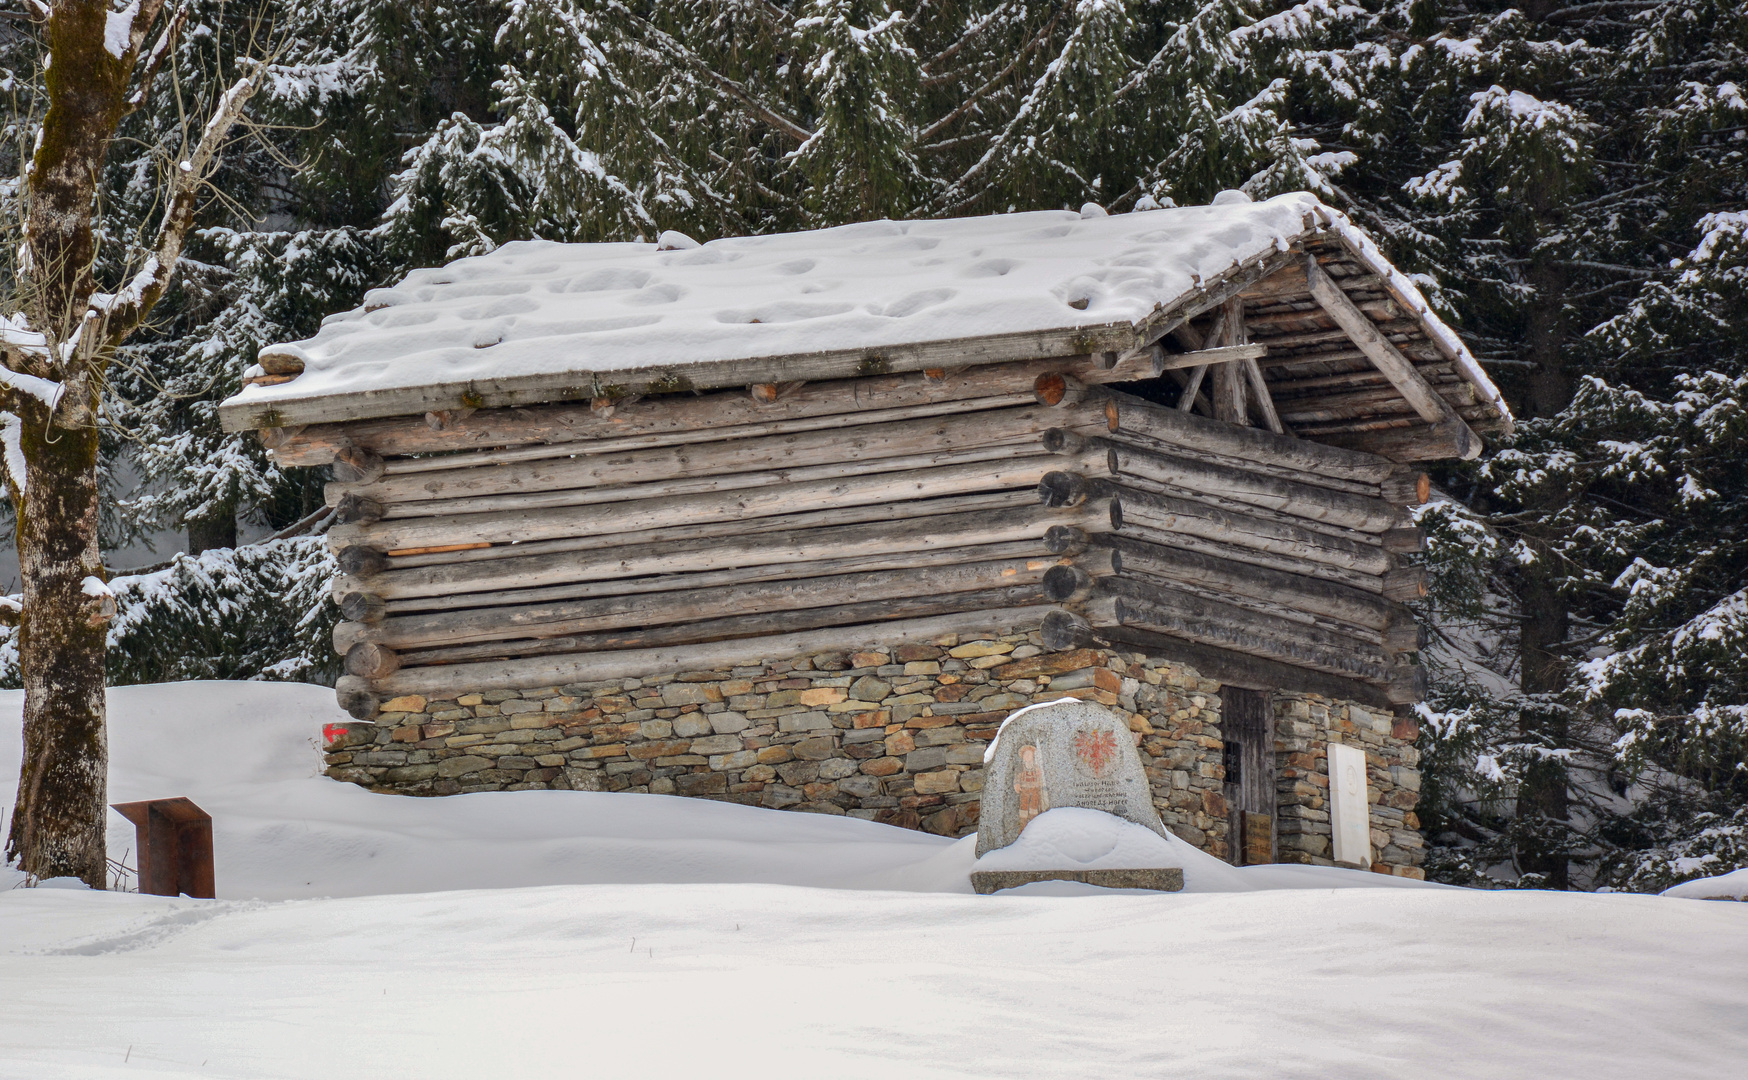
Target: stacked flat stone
{"points": [[895, 736]]}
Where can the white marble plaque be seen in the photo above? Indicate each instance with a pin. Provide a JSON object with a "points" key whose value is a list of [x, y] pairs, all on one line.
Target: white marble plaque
{"points": [[1064, 753], [1350, 812]]}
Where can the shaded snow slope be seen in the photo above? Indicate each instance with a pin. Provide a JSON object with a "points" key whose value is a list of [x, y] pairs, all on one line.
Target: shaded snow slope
{"points": [[666, 955], [246, 753]]}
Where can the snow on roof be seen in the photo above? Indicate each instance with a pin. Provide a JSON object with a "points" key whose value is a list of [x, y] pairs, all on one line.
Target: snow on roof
{"points": [[542, 309]]}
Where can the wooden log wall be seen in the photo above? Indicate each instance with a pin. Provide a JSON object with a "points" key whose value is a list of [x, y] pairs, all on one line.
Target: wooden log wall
{"points": [[569, 543]]}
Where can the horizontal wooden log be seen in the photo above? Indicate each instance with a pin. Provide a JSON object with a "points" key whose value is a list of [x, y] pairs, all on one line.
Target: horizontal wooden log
{"points": [[1313, 595], [790, 546], [1140, 529], [672, 418], [1331, 507], [840, 515], [1252, 672], [1129, 415], [1227, 626], [863, 442], [831, 364], [704, 579], [736, 626], [716, 656], [1437, 442], [1223, 354], [1190, 518], [687, 605], [729, 485], [620, 517]]}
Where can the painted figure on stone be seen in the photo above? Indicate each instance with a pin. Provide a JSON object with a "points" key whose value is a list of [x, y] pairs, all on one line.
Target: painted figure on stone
{"points": [[1029, 784]]}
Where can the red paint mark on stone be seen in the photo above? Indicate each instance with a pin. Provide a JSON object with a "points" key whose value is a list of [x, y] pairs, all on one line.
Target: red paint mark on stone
{"points": [[1096, 749], [331, 733]]}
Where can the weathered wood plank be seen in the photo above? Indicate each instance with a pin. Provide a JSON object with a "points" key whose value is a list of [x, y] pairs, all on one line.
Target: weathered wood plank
{"points": [[603, 666], [688, 605], [1126, 414], [842, 515], [618, 517], [1322, 504], [824, 365], [1229, 626], [673, 582], [1136, 556], [1222, 665], [716, 553], [1184, 516], [863, 442]]}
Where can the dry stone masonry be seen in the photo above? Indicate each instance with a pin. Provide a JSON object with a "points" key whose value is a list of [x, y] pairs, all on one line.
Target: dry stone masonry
{"points": [[895, 735]]}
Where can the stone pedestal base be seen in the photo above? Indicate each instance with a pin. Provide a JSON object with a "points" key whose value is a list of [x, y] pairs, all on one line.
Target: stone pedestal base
{"points": [[1162, 879]]}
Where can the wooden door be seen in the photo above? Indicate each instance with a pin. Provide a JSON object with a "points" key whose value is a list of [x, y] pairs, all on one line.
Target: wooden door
{"points": [[1247, 726]]}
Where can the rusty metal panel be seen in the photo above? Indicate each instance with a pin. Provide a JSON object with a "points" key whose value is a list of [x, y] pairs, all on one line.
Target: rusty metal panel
{"points": [[174, 841]]}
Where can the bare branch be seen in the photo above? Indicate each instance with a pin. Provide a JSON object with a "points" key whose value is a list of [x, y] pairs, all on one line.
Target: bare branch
{"points": [[155, 59], [123, 313]]}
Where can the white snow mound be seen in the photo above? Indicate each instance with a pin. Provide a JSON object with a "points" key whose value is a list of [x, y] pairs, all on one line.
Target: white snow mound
{"points": [[1730, 886]]}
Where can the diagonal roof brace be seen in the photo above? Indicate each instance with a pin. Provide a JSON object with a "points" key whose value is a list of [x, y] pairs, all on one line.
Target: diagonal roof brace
{"points": [[1388, 359]]}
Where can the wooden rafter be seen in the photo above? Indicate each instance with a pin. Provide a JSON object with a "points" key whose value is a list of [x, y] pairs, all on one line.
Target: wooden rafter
{"points": [[1388, 359]]}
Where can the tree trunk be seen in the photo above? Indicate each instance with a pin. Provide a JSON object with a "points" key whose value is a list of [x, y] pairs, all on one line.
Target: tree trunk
{"points": [[1543, 797], [58, 822], [212, 533]]}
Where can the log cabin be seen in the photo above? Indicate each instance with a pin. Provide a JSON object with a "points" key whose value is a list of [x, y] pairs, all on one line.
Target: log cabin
{"points": [[794, 520]]}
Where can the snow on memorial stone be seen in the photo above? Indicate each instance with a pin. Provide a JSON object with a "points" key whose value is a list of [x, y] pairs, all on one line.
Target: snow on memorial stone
{"points": [[1349, 805], [1062, 754]]}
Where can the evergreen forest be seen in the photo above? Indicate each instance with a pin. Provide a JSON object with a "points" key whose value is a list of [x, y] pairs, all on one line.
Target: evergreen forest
{"points": [[1567, 181]]}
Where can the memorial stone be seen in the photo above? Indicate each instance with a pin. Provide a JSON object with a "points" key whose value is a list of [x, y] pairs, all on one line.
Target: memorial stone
{"points": [[1062, 753]]}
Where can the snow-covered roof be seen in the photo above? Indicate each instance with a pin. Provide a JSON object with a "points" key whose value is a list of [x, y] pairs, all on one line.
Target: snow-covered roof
{"points": [[540, 314]]}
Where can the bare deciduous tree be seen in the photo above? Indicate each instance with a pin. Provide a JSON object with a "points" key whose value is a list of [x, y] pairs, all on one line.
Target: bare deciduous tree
{"points": [[56, 345]]}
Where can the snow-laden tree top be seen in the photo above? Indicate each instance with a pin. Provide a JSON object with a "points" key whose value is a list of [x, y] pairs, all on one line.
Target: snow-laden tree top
{"points": [[539, 309]]}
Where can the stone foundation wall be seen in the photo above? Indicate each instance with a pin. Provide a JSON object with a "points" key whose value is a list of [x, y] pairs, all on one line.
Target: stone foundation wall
{"points": [[895, 736], [1305, 725]]}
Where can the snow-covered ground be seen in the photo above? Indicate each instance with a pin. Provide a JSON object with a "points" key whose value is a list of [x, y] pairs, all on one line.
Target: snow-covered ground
{"points": [[540, 933]]}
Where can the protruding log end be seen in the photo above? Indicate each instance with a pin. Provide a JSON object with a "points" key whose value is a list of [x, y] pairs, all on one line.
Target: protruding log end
{"points": [[1407, 486], [362, 607], [368, 660], [1405, 583], [1058, 391], [355, 509], [1066, 584], [1112, 422], [273, 438], [361, 561], [1065, 540], [1063, 441], [1405, 541], [1408, 684], [355, 696], [1066, 630], [1404, 636], [1063, 490], [354, 464]]}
